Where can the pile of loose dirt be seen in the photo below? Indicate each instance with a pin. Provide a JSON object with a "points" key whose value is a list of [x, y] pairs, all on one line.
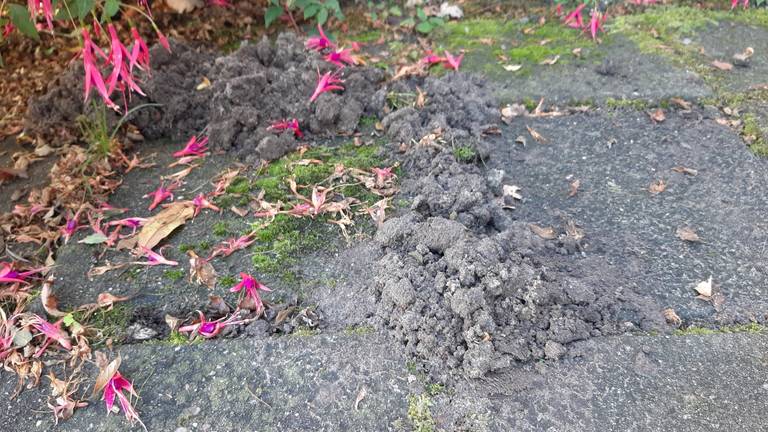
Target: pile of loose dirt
{"points": [[462, 295], [458, 105]]}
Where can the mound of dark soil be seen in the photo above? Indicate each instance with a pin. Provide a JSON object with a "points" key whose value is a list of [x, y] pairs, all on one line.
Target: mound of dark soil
{"points": [[465, 287]]}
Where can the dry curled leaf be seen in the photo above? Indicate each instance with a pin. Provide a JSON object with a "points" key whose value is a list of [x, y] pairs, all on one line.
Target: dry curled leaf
{"points": [[550, 61], [537, 136], [160, 226], [547, 233], [360, 396], [108, 300], [573, 231], [204, 84], [683, 170], [657, 187], [704, 288], [671, 317], [511, 191], [682, 103], [106, 371], [201, 271], [657, 115], [512, 67], [723, 66], [50, 303], [687, 234], [574, 188], [744, 56]]}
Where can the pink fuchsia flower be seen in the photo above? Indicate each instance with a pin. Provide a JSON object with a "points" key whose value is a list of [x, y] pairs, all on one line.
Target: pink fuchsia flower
{"points": [[249, 289], [282, 125], [744, 4], [200, 202], [210, 329], [139, 52], [93, 77], [9, 275], [193, 147], [115, 387], [300, 210], [452, 62], [154, 258], [574, 18], [132, 222], [596, 22], [220, 3], [8, 28], [341, 57], [52, 332], [71, 225], [559, 9], [44, 6], [228, 247], [318, 198], [118, 56], [327, 82], [382, 174], [163, 40], [161, 194], [319, 43], [430, 58]]}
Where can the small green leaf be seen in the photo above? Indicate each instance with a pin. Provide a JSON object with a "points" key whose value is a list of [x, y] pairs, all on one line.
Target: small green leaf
{"points": [[437, 22], [68, 320], [272, 13], [311, 11], [421, 14], [424, 27], [395, 11], [111, 7], [408, 22], [322, 16], [81, 8], [95, 238], [20, 18]]}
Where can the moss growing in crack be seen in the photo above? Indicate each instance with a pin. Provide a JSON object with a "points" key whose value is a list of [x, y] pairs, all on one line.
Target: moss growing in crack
{"points": [[220, 229], [227, 281], [174, 275], [434, 389], [754, 135], [359, 330], [285, 237], [623, 103], [302, 331], [239, 186], [106, 323], [486, 41], [738, 328], [419, 413]]}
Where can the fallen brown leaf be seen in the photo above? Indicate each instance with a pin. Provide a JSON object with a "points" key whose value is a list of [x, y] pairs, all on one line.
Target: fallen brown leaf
{"points": [[671, 317], [550, 61], [683, 170], [537, 136], [744, 56], [49, 300], [108, 300], [360, 396], [160, 226], [657, 187], [682, 103], [574, 188], [704, 288], [688, 234], [723, 66], [547, 233], [201, 271], [657, 115]]}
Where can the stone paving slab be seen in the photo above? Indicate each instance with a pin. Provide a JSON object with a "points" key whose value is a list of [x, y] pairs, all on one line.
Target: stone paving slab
{"points": [[616, 156], [294, 383]]}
